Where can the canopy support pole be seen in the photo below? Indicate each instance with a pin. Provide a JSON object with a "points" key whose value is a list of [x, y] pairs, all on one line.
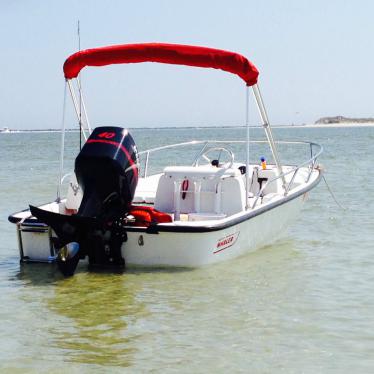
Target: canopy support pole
{"points": [[76, 107], [84, 107], [268, 132], [247, 158], [58, 199]]}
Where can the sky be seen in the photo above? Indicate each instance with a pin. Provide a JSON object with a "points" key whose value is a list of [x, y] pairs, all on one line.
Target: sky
{"points": [[315, 59]]}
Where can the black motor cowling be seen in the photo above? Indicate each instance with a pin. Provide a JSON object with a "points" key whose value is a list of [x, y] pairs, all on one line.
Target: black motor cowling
{"points": [[107, 172]]}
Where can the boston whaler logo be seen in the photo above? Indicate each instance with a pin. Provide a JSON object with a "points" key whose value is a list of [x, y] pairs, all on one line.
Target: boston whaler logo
{"points": [[226, 242]]}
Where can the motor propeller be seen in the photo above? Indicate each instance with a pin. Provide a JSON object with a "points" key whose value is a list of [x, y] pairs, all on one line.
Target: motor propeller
{"points": [[68, 258]]}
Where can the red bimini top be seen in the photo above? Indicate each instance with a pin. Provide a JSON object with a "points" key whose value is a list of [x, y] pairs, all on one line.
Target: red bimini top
{"points": [[163, 53]]}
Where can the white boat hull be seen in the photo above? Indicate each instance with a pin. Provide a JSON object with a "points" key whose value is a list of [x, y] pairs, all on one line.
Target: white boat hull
{"points": [[199, 249], [183, 243]]}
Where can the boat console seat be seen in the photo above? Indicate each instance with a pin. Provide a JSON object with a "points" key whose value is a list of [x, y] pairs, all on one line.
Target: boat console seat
{"points": [[265, 176], [260, 179], [206, 171], [201, 189], [146, 189]]}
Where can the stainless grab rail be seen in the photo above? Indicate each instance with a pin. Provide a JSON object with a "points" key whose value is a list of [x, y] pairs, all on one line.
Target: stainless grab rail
{"points": [[64, 177], [311, 162]]}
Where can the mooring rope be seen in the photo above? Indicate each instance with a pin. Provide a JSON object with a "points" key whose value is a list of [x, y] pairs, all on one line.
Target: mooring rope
{"points": [[333, 195]]}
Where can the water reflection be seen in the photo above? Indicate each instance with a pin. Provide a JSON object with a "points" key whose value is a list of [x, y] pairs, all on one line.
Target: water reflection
{"points": [[38, 274], [93, 311], [145, 318]]}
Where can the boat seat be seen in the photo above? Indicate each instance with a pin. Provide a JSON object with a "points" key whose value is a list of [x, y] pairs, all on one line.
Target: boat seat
{"points": [[146, 189], [205, 172], [268, 174], [203, 189], [261, 178]]}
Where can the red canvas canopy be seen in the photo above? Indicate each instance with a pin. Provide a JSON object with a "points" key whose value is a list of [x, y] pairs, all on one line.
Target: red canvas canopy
{"points": [[164, 53]]}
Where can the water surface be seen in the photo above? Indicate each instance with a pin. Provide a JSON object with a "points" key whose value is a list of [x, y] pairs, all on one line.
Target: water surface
{"points": [[302, 305]]}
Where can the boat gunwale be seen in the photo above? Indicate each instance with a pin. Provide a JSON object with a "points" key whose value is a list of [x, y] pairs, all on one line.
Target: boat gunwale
{"points": [[219, 225]]}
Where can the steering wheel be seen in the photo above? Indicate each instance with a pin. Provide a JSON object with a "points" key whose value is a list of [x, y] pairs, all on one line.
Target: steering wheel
{"points": [[226, 165]]}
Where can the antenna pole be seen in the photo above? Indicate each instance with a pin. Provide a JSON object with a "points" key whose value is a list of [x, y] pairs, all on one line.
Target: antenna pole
{"points": [[79, 36]]}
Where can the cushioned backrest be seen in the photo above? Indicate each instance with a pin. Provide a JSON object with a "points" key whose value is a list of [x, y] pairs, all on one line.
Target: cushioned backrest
{"points": [[202, 190]]}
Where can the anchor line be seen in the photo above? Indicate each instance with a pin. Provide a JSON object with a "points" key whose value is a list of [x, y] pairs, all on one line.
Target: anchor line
{"points": [[333, 195]]}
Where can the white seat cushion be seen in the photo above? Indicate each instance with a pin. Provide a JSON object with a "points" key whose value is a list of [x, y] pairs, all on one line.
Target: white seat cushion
{"points": [[207, 171]]}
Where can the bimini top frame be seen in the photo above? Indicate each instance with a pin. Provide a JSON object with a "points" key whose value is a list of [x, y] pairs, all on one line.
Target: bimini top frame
{"points": [[169, 54]]}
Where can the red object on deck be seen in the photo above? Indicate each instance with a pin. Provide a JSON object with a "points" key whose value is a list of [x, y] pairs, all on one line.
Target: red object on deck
{"points": [[163, 53], [145, 215]]}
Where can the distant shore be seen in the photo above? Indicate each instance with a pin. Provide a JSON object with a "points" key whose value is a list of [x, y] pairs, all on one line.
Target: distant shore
{"points": [[328, 125], [343, 120]]}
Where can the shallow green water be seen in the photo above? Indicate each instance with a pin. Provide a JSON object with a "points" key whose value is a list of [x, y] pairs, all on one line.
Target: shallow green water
{"points": [[302, 305]]}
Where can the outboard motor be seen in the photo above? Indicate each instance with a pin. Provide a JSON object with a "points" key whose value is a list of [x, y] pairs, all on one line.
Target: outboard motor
{"points": [[107, 172]]}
